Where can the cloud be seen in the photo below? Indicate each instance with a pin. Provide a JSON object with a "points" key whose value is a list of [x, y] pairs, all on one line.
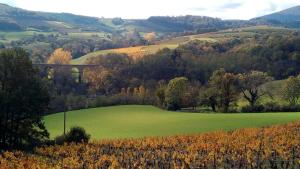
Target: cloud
{"points": [[230, 6]]}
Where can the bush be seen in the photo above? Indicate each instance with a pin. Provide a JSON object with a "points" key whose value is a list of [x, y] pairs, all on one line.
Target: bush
{"points": [[75, 135], [120, 99], [271, 107], [60, 103], [76, 102], [252, 109], [60, 140]]}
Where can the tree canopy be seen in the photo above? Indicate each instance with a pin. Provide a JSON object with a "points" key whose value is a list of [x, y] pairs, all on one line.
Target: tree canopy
{"points": [[23, 101], [249, 84], [60, 56], [175, 92]]}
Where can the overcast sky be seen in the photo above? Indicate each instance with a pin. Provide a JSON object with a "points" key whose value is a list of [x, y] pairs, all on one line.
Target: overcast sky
{"points": [[225, 9]]}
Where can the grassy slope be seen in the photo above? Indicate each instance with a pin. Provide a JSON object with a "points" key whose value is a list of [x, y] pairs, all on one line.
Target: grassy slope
{"points": [[143, 50], [131, 51], [140, 121], [6, 37], [172, 43]]}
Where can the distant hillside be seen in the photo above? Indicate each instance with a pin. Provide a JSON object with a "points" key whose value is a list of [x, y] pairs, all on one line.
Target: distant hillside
{"points": [[40, 33], [289, 17], [16, 19], [172, 43]]}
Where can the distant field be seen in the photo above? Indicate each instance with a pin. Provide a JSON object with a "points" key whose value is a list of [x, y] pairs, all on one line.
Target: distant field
{"points": [[172, 43], [87, 35], [6, 37], [140, 51], [135, 52], [140, 121]]}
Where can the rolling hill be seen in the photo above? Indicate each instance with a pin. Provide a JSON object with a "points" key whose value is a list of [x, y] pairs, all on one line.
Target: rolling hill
{"points": [[40, 33], [172, 43], [16, 19], [140, 121], [288, 17]]}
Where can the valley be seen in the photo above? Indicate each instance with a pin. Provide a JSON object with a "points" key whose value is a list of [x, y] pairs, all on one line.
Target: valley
{"points": [[180, 85]]}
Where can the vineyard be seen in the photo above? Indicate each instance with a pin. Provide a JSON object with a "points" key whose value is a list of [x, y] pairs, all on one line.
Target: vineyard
{"points": [[273, 147]]}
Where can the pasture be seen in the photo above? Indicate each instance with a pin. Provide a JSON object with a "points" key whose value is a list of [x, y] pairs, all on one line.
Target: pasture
{"points": [[141, 121], [140, 51], [6, 37], [134, 52]]}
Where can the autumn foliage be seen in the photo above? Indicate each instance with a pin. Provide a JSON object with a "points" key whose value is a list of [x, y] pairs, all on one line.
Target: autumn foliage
{"points": [[274, 147], [60, 56], [150, 37]]}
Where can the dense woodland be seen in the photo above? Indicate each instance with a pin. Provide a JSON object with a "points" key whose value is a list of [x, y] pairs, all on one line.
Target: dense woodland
{"points": [[120, 79]]}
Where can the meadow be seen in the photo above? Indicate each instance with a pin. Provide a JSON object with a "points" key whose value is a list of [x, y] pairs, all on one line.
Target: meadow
{"points": [[6, 37], [141, 121], [134, 52]]}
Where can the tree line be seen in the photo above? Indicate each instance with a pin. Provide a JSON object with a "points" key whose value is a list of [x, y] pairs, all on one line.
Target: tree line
{"points": [[221, 92], [272, 54]]}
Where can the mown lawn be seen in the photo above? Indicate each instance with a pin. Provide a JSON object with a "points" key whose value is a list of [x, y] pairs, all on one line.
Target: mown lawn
{"points": [[141, 121]]}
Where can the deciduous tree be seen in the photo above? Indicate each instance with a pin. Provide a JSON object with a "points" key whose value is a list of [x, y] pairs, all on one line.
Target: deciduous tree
{"points": [[150, 37], [291, 90], [61, 77], [174, 92], [60, 56], [224, 87], [249, 84], [101, 81]]}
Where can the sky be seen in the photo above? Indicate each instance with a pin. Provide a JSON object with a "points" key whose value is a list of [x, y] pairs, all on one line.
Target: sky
{"points": [[141, 9]]}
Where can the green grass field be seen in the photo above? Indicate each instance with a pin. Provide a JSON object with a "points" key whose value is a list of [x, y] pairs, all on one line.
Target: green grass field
{"points": [[141, 121], [6, 37]]}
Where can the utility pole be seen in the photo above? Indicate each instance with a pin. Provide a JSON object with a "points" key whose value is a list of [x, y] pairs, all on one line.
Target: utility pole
{"points": [[65, 123], [65, 118]]}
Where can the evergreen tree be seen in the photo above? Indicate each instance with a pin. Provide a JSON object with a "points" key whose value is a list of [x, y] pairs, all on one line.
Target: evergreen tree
{"points": [[23, 100]]}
